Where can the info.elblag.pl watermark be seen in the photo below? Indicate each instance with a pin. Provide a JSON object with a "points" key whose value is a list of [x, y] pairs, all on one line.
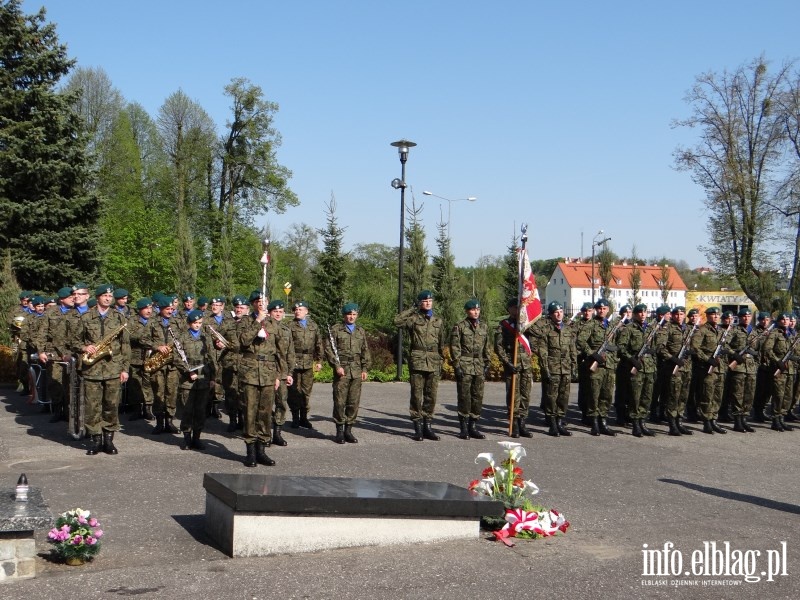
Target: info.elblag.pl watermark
{"points": [[711, 564]]}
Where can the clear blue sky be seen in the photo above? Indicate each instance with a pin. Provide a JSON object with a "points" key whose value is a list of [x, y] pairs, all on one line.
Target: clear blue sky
{"points": [[556, 114]]}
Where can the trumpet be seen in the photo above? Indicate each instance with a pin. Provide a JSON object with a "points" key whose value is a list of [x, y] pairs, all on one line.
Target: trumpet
{"points": [[219, 337], [102, 349]]}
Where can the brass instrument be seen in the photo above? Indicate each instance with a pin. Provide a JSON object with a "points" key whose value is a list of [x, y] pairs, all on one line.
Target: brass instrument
{"points": [[16, 329], [102, 349], [219, 337], [155, 360]]}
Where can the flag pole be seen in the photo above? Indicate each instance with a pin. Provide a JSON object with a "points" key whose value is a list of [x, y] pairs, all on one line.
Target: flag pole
{"points": [[515, 351]]}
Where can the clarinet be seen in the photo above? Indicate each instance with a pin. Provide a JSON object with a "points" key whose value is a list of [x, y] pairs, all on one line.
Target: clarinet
{"points": [[333, 346], [178, 346]]}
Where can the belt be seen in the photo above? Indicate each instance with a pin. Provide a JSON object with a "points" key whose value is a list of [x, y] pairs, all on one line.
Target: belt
{"points": [[262, 357], [426, 349]]}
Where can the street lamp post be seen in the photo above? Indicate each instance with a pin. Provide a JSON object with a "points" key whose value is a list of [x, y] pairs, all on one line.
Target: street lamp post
{"points": [[403, 147], [449, 202], [595, 244]]}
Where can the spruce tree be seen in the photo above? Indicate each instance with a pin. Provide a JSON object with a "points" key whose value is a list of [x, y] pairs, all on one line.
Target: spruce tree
{"points": [[416, 257], [445, 280], [330, 276], [511, 278], [49, 216]]}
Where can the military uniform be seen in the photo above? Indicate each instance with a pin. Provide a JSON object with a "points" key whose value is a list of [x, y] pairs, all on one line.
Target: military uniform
{"points": [[632, 339], [17, 325], [217, 322], [763, 392], [676, 371], [773, 352], [519, 376], [161, 331], [584, 375], [347, 350], [309, 350], [742, 372], [712, 371], [229, 367], [469, 354], [427, 338], [140, 386], [285, 347]]}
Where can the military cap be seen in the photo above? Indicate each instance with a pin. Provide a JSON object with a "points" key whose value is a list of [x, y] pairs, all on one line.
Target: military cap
{"points": [[194, 315], [712, 310], [64, 292], [275, 304], [92, 302], [256, 295], [512, 302], [24, 294], [692, 312], [239, 300], [587, 306], [106, 288], [553, 307], [640, 308], [744, 311], [143, 303], [625, 308], [120, 293], [678, 309], [349, 307], [202, 300], [37, 300], [601, 302], [51, 300], [424, 295], [727, 314], [80, 286], [214, 299], [472, 303], [187, 296], [785, 315], [662, 310], [763, 315], [300, 304]]}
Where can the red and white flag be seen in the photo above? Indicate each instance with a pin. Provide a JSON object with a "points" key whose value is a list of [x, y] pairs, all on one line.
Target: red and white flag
{"points": [[530, 306]]}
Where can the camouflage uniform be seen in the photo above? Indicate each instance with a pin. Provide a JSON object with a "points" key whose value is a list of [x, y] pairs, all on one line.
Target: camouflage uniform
{"points": [[228, 361], [773, 352], [704, 344], [355, 358], [505, 335], [742, 374], [140, 386], [676, 373], [555, 348], [309, 350], [631, 341], [165, 380], [601, 381], [469, 353], [193, 393]]}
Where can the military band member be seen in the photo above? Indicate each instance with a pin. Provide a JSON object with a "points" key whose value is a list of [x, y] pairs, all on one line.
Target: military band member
{"points": [[348, 354], [742, 370], [103, 338], [196, 378], [52, 345], [590, 342], [229, 363], [427, 338], [121, 302], [276, 312], [640, 368], [555, 348], [217, 321], [159, 338], [469, 353], [774, 354], [261, 367], [705, 343], [140, 386], [309, 352], [17, 323], [519, 375]]}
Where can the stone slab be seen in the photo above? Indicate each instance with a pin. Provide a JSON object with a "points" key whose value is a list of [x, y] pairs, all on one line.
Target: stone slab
{"points": [[24, 516], [347, 496]]}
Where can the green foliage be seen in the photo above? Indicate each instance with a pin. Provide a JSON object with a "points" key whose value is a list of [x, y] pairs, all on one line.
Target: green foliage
{"points": [[330, 276], [9, 295], [635, 279], [415, 270], [511, 278], [445, 293]]}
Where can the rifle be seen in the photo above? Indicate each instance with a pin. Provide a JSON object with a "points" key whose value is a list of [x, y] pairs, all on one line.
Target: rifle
{"points": [[612, 332], [751, 347], [647, 342], [718, 349], [786, 357], [684, 348]]}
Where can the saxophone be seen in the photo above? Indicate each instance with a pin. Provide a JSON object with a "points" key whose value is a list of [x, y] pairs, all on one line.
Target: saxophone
{"points": [[102, 349], [155, 360]]}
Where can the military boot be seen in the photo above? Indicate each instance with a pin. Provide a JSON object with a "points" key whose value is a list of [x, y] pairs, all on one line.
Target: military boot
{"points": [[427, 431], [673, 426], [187, 440], [169, 426], [473, 430], [785, 425], [417, 437], [233, 425], [746, 425], [595, 423], [602, 425], [515, 427], [348, 434], [240, 420], [523, 429], [108, 443], [776, 424], [707, 427], [295, 419], [562, 427], [159, 428], [717, 428], [250, 459], [645, 430], [304, 422], [462, 424], [147, 413], [553, 430], [214, 410], [196, 443], [339, 439], [737, 424], [683, 429], [261, 456], [636, 429], [95, 444], [277, 438]]}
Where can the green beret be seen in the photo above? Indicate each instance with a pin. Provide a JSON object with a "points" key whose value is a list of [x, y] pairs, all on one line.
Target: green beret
{"points": [[300, 304], [692, 312], [678, 309], [587, 306], [194, 315], [712, 310], [662, 310], [424, 295], [24, 294], [350, 307], [256, 295], [80, 286], [213, 299], [37, 300], [625, 308], [275, 304], [204, 300], [763, 315], [143, 303], [92, 302], [51, 299], [120, 293], [640, 308], [744, 311], [472, 303], [727, 314], [187, 296], [239, 300], [65, 292], [106, 288], [553, 307], [785, 315], [601, 302]]}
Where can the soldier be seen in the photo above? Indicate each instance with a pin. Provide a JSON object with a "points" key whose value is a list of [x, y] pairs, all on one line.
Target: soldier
{"points": [[555, 348], [52, 344], [695, 372], [724, 408], [635, 349], [673, 351], [103, 339], [285, 346], [309, 350], [622, 389], [229, 365], [160, 337], [140, 386], [664, 369], [763, 393], [596, 342], [215, 323], [202, 304], [197, 377], [121, 302], [348, 353], [17, 323], [712, 372], [427, 337], [519, 375], [469, 353], [261, 367], [774, 352], [584, 379], [742, 370]]}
